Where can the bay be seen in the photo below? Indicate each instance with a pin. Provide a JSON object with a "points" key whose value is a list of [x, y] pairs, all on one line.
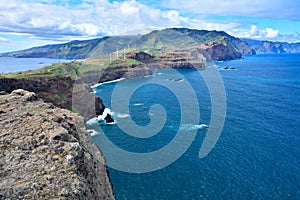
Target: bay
{"points": [[10, 64]]}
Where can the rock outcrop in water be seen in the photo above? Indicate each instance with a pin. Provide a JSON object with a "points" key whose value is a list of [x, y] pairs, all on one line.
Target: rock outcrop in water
{"points": [[44, 155]]}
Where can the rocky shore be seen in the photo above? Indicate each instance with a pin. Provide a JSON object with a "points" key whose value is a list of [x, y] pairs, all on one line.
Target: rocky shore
{"points": [[46, 152]]}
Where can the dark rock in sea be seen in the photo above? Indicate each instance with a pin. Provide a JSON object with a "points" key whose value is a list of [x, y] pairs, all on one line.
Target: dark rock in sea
{"points": [[46, 153], [99, 106], [229, 68], [109, 119]]}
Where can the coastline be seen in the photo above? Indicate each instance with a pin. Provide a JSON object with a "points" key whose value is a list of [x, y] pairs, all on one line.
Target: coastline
{"points": [[51, 151], [107, 82]]}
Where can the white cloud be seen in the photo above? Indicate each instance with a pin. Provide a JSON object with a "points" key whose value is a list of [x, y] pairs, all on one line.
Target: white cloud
{"points": [[279, 9], [255, 33], [86, 28], [91, 18], [2, 39], [270, 33], [41, 21]]}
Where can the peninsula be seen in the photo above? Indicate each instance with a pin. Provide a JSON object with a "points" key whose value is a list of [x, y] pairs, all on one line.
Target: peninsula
{"points": [[43, 155]]}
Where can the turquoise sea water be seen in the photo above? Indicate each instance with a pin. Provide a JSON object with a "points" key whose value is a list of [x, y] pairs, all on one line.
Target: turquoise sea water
{"points": [[258, 153]]}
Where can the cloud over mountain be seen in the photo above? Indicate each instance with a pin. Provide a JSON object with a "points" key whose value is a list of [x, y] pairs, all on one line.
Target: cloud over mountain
{"points": [[50, 21]]}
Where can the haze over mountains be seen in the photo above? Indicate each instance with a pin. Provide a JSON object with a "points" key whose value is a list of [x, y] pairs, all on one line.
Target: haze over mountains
{"points": [[166, 39]]}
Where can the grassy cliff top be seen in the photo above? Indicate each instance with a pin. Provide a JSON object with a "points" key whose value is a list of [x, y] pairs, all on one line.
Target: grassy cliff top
{"points": [[71, 69]]}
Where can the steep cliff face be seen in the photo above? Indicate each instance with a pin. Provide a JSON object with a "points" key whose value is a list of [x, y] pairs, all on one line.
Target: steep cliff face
{"points": [[189, 58], [46, 152], [179, 59], [242, 46], [122, 71], [57, 90], [219, 51], [61, 92]]}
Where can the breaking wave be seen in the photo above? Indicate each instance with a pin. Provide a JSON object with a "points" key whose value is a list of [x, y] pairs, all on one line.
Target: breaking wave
{"points": [[107, 82], [190, 127], [101, 118], [121, 115]]}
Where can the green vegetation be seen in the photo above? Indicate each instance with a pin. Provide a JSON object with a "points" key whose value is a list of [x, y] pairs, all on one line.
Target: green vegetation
{"points": [[109, 51], [61, 96], [71, 69], [72, 109], [170, 39], [58, 69], [126, 62], [36, 110]]}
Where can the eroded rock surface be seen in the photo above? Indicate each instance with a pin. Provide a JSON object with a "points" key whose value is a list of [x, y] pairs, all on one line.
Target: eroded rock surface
{"points": [[46, 152]]}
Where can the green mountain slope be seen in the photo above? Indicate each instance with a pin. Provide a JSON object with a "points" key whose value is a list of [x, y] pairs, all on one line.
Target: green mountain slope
{"points": [[171, 38], [71, 50]]}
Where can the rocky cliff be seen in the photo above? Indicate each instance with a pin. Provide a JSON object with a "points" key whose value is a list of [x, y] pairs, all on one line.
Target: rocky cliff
{"points": [[189, 57], [57, 90], [122, 71], [46, 152]]}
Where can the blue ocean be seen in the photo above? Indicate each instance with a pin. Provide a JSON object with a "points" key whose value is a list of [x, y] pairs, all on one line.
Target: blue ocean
{"points": [[10, 64], [256, 156]]}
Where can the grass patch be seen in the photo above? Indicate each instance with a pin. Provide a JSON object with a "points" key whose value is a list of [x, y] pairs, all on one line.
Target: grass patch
{"points": [[125, 62], [36, 110], [72, 109], [61, 96]]}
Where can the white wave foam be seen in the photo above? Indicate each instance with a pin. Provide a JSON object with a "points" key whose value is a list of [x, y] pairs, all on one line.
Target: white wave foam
{"points": [[101, 118], [176, 80], [92, 132], [201, 126], [92, 121], [107, 82], [138, 104], [190, 127], [121, 115], [104, 114]]}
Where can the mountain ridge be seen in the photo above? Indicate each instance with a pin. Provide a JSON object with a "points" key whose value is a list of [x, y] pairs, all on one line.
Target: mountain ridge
{"points": [[170, 38], [264, 46]]}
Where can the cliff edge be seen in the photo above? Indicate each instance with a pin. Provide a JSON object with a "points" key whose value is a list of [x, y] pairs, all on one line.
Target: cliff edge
{"points": [[46, 152]]}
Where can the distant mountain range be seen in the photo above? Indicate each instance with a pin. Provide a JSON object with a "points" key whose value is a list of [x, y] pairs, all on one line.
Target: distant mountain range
{"points": [[166, 39], [273, 47]]}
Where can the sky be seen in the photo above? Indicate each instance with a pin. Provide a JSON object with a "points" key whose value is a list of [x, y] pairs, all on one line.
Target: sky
{"points": [[29, 23]]}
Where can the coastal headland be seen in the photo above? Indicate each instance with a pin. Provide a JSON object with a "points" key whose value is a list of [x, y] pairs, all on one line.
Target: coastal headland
{"points": [[43, 154]]}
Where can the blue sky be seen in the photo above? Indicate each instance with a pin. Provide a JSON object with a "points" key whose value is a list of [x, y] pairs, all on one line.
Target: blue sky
{"points": [[28, 23]]}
